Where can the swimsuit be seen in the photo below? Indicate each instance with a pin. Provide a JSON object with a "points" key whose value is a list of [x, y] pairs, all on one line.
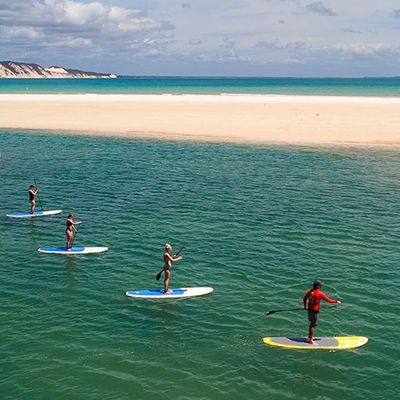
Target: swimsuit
{"points": [[69, 226]]}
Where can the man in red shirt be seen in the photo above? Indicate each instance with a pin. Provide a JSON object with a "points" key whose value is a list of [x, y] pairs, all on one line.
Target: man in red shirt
{"points": [[311, 303]]}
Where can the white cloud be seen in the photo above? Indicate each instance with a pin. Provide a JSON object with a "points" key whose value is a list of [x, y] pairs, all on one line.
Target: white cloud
{"points": [[228, 43], [396, 13], [320, 9], [56, 24], [349, 30], [279, 45], [167, 36], [368, 50], [20, 32]]}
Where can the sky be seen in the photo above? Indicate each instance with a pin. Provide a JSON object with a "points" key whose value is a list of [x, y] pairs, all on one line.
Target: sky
{"points": [[343, 38]]}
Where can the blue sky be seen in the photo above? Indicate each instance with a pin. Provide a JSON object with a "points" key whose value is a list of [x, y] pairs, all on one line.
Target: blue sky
{"points": [[206, 37]]}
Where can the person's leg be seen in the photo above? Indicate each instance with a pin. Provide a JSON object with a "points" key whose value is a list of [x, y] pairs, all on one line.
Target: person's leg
{"points": [[166, 279], [32, 206], [69, 239], [312, 317], [311, 331]]}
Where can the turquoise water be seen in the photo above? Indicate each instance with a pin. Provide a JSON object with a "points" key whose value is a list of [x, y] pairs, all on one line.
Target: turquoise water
{"points": [[259, 224], [178, 85]]}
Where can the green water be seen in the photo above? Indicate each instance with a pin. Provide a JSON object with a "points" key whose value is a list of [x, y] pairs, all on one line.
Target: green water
{"points": [[258, 225]]}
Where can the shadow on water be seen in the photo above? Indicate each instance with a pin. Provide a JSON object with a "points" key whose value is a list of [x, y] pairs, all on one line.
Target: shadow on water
{"points": [[34, 227], [72, 270]]}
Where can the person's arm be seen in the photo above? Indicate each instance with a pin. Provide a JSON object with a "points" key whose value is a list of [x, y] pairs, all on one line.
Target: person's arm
{"points": [[305, 298], [328, 299], [173, 258], [170, 258], [75, 223], [69, 221]]}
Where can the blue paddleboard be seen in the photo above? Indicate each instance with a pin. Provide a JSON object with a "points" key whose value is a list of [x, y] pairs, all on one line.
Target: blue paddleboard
{"points": [[171, 294], [35, 214], [73, 250]]}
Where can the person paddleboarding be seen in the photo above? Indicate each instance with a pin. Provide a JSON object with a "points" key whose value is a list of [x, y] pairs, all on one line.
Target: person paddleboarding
{"points": [[32, 191], [168, 260], [311, 302], [70, 231]]}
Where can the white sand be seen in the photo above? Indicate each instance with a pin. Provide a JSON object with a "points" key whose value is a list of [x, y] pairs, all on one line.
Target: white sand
{"points": [[238, 118]]}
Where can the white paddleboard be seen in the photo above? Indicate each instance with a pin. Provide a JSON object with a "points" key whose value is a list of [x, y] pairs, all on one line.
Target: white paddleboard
{"points": [[73, 250], [172, 293], [36, 214]]}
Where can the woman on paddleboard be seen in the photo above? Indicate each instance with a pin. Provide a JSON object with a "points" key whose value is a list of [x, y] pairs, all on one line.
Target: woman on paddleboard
{"points": [[70, 230], [168, 260], [311, 304], [32, 191]]}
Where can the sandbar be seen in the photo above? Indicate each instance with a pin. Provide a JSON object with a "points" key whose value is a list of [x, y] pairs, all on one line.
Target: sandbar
{"points": [[228, 118]]}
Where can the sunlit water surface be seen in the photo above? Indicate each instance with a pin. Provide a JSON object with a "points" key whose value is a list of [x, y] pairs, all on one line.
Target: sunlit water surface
{"points": [[259, 224]]}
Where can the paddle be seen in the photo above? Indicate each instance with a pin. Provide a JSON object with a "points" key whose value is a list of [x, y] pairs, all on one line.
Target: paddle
{"points": [[287, 309], [76, 231], [158, 276], [40, 201]]}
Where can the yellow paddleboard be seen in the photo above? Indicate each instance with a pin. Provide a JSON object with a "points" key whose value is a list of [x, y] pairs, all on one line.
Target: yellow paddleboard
{"points": [[321, 343]]}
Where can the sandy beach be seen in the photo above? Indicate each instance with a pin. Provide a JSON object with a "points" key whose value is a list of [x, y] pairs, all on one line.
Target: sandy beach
{"points": [[236, 118]]}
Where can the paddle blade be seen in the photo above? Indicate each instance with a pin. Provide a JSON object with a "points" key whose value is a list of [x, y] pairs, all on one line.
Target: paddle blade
{"points": [[158, 276], [269, 313]]}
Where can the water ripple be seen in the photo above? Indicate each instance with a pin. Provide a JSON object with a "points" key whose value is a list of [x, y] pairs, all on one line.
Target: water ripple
{"points": [[258, 225]]}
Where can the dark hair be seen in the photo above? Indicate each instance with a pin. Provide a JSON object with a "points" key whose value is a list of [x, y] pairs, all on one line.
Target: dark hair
{"points": [[31, 186], [317, 284], [69, 215]]}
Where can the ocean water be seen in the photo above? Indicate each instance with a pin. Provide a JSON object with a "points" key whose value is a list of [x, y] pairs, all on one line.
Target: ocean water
{"points": [[259, 224], [207, 85]]}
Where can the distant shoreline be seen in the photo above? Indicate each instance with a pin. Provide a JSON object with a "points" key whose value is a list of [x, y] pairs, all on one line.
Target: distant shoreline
{"points": [[238, 118]]}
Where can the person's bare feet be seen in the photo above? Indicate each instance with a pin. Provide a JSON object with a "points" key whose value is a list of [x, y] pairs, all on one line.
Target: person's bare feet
{"points": [[311, 341]]}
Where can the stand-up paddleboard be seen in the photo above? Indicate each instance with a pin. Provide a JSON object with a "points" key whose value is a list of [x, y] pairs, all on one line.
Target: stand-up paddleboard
{"points": [[35, 214], [321, 343], [172, 293], [73, 250]]}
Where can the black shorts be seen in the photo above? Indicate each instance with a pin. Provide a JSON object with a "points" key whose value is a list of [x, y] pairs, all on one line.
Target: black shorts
{"points": [[313, 317]]}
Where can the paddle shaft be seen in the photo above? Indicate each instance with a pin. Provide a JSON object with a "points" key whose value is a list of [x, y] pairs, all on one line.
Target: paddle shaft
{"points": [[40, 201], [72, 241], [287, 309], [179, 252], [158, 276]]}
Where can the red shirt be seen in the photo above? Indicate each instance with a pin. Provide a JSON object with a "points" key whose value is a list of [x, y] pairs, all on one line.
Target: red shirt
{"points": [[313, 297]]}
